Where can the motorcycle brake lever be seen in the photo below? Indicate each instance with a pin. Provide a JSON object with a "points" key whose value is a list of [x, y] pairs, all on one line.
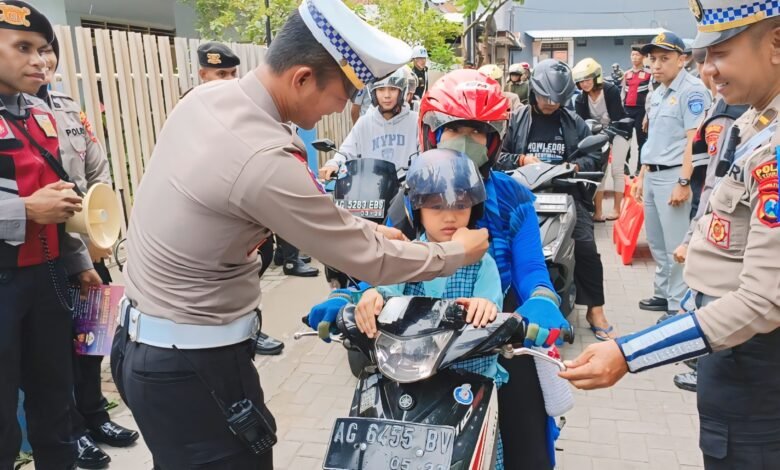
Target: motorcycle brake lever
{"points": [[509, 351], [300, 334]]}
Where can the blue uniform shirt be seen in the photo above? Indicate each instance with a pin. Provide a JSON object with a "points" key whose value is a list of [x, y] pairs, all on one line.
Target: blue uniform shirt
{"points": [[674, 110]]}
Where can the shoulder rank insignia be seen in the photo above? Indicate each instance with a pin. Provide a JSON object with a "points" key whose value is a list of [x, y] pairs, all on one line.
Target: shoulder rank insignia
{"points": [[765, 119], [44, 121], [766, 210]]}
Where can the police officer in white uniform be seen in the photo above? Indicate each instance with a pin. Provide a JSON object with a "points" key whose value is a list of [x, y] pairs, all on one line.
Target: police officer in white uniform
{"points": [[226, 171], [733, 310]]}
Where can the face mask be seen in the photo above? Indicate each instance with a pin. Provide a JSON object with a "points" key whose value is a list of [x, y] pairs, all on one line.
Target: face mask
{"points": [[465, 144]]}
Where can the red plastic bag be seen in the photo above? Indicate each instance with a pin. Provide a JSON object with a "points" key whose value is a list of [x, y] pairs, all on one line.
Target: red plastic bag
{"points": [[625, 233]]}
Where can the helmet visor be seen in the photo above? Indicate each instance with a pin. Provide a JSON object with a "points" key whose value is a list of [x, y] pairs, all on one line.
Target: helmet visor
{"points": [[444, 180]]}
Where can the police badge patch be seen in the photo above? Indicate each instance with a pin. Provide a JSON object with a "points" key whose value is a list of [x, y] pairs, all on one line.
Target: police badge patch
{"points": [[696, 103], [711, 136], [766, 210], [719, 232]]}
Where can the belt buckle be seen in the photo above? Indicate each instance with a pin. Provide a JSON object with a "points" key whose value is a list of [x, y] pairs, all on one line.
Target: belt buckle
{"points": [[133, 324]]}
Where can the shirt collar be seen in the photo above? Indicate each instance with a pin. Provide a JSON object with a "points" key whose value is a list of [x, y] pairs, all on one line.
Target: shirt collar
{"points": [[252, 86], [678, 81]]}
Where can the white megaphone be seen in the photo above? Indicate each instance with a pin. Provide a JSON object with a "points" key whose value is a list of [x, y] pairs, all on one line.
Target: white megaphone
{"points": [[100, 217]]}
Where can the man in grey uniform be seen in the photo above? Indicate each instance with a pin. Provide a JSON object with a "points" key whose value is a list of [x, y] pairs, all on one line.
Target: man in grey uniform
{"points": [[227, 170], [676, 108]]}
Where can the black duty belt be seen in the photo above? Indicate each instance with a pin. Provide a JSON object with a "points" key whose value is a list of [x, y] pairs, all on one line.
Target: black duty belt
{"points": [[654, 168]]}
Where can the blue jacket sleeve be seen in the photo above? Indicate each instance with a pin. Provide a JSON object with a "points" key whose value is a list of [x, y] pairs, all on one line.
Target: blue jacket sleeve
{"points": [[488, 284], [529, 270]]}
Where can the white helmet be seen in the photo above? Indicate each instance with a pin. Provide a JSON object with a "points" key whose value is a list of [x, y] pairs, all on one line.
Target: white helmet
{"points": [[397, 80], [419, 52], [411, 79], [516, 69]]}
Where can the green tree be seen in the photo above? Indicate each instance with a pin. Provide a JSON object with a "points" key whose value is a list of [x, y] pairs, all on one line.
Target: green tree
{"points": [[412, 22], [408, 20]]}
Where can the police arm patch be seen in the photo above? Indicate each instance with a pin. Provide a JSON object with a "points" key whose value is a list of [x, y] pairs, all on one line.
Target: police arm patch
{"points": [[766, 209], [87, 126], [696, 103], [719, 232]]}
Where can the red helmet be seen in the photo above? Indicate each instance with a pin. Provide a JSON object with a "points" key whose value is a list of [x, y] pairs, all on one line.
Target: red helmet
{"points": [[468, 97]]}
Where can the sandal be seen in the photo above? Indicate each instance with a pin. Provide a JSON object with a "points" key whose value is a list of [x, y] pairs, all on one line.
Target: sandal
{"points": [[613, 216], [599, 220], [606, 331]]}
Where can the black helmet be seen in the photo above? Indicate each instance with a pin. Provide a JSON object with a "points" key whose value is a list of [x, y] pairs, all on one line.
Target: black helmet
{"points": [[552, 80], [445, 179]]}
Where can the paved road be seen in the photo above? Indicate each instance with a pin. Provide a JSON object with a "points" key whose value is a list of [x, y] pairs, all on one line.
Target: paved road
{"points": [[643, 423]]}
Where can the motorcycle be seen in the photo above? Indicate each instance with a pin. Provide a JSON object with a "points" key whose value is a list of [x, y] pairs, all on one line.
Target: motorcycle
{"points": [[364, 187], [557, 213], [411, 410]]}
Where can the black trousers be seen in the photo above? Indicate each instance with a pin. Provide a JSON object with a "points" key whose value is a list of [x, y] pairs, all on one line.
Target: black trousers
{"points": [[637, 113], [738, 397], [522, 418], [588, 269], [286, 253], [90, 407], [266, 253], [35, 355], [698, 178], [181, 423]]}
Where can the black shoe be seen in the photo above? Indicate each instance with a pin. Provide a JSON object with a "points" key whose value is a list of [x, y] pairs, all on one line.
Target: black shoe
{"points": [[654, 304], [305, 258], [300, 269], [692, 363], [90, 455], [278, 257], [665, 317], [686, 381], [267, 346], [114, 435]]}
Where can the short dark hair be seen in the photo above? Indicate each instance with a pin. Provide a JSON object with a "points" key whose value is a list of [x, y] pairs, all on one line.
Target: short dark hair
{"points": [[295, 45]]}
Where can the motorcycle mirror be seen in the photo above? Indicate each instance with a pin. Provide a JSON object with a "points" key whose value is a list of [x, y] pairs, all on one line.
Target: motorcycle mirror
{"points": [[592, 143], [324, 145], [594, 126]]}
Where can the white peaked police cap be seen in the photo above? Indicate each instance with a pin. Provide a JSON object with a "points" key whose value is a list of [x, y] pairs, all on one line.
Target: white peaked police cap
{"points": [[721, 20], [364, 53]]}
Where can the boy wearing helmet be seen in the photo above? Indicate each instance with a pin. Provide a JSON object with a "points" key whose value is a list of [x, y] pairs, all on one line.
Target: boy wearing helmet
{"points": [[388, 131], [446, 193], [545, 131], [467, 111], [420, 69], [518, 82], [600, 100]]}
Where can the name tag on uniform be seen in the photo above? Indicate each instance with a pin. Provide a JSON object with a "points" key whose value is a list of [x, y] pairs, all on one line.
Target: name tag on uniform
{"points": [[46, 125], [5, 130]]}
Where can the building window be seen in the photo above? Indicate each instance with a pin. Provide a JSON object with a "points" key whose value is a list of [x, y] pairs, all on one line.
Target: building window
{"points": [[618, 41], [582, 42], [132, 28], [555, 50]]}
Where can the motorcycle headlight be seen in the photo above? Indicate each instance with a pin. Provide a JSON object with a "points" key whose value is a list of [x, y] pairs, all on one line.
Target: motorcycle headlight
{"points": [[406, 360]]}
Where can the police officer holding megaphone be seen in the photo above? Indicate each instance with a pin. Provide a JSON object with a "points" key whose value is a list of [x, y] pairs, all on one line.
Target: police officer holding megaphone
{"points": [[98, 224]]}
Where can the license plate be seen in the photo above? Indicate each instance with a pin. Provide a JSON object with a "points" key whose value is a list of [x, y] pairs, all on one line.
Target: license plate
{"points": [[373, 209], [367, 443]]}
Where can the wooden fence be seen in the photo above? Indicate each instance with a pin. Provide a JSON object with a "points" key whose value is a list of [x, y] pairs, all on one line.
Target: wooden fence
{"points": [[128, 83]]}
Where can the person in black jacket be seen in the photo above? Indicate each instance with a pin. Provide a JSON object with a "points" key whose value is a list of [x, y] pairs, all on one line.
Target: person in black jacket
{"points": [[600, 100], [547, 132]]}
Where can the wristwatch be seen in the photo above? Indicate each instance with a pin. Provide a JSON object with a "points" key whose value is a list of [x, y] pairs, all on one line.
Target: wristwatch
{"points": [[683, 182]]}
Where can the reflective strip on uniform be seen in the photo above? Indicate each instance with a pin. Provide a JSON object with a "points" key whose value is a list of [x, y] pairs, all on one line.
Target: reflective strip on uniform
{"points": [[674, 340]]}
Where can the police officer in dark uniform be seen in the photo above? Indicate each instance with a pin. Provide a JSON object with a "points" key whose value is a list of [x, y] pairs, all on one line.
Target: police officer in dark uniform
{"points": [[217, 62], [36, 255]]}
